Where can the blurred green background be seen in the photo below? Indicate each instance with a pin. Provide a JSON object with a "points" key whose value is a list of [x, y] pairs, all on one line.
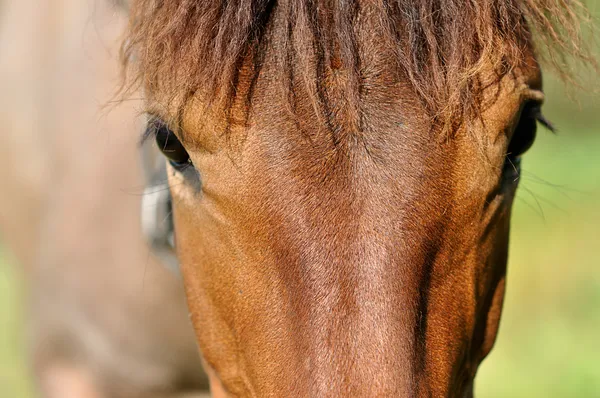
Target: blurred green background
{"points": [[549, 341]]}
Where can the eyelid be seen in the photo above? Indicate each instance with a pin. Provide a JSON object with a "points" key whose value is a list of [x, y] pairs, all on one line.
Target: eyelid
{"points": [[529, 94], [181, 166], [534, 95]]}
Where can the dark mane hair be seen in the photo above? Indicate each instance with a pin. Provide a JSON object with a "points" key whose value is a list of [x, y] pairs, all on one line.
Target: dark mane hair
{"points": [[440, 45]]}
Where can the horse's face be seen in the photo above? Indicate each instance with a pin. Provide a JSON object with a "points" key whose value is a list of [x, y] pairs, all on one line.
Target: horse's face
{"points": [[341, 259], [372, 265]]}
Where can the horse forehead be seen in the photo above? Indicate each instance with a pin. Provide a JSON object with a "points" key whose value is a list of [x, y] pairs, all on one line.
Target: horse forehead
{"points": [[393, 122], [334, 188], [395, 149]]}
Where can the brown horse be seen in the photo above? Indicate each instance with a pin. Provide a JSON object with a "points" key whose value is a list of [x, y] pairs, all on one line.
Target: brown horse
{"points": [[342, 174], [100, 308]]}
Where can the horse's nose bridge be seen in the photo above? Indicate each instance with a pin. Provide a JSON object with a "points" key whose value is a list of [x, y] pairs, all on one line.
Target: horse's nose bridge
{"points": [[343, 246], [351, 261], [356, 318]]}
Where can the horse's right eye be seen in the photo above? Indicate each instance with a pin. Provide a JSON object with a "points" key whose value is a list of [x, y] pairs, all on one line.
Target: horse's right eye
{"points": [[170, 146], [524, 135], [522, 138]]}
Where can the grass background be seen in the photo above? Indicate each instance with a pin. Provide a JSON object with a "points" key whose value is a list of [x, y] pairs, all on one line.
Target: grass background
{"points": [[549, 341]]}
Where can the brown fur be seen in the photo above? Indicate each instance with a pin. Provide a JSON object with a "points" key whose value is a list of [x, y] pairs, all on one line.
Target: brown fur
{"points": [[440, 47], [338, 245]]}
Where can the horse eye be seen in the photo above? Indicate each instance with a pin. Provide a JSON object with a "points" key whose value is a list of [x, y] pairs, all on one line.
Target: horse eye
{"points": [[525, 131], [170, 146]]}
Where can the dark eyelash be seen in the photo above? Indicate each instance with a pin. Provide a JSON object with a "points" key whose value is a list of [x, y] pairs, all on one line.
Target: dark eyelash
{"points": [[543, 121], [153, 124], [145, 136], [546, 123], [150, 130]]}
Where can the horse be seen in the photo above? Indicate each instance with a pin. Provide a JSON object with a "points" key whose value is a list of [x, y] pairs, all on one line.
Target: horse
{"points": [[341, 177], [104, 317]]}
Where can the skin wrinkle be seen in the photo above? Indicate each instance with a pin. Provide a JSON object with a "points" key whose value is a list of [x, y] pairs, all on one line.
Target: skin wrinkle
{"points": [[350, 236]]}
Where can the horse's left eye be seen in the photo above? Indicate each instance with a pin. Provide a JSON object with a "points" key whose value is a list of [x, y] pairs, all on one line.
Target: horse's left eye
{"points": [[170, 146]]}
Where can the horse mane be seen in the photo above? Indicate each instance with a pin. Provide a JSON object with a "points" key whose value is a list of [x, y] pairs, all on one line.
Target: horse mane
{"points": [[183, 46]]}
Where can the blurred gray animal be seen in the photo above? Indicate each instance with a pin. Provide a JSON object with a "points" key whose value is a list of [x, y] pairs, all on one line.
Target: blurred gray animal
{"points": [[105, 317]]}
